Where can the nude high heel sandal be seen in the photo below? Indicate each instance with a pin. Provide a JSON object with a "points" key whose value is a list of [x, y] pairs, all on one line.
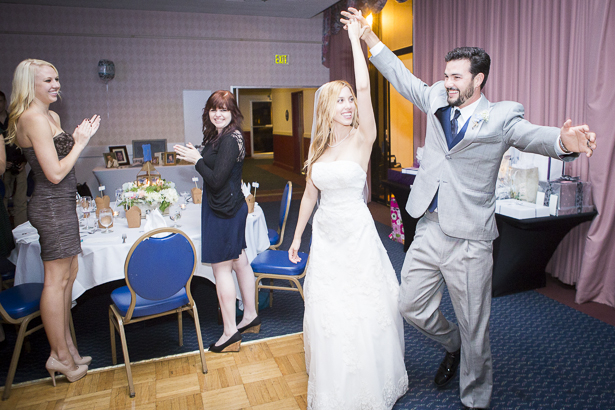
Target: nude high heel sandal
{"points": [[54, 366], [85, 360]]}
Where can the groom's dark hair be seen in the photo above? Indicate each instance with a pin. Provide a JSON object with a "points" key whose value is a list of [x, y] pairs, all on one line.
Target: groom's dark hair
{"points": [[480, 62]]}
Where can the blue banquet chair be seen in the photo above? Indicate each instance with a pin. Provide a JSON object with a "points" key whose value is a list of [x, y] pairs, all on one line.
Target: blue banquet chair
{"points": [[274, 264], [7, 273], [158, 271], [18, 306], [277, 236]]}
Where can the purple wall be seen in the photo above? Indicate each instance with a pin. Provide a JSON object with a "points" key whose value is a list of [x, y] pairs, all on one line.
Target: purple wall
{"points": [[156, 55]]}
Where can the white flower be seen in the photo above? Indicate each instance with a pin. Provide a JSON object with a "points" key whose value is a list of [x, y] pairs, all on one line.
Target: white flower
{"points": [[153, 197], [170, 195], [161, 194], [477, 118]]}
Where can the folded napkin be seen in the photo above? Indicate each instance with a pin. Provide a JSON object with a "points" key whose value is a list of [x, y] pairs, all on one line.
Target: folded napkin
{"points": [[25, 233], [28, 238], [245, 188], [154, 220]]}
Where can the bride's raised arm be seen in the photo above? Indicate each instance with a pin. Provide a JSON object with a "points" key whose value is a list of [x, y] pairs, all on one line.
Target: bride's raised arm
{"points": [[367, 121]]}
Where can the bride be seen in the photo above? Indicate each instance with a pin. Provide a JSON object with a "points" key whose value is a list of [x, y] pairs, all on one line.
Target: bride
{"points": [[353, 332]]}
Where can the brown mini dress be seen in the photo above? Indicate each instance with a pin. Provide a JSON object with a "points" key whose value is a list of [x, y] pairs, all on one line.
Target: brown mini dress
{"points": [[52, 208]]}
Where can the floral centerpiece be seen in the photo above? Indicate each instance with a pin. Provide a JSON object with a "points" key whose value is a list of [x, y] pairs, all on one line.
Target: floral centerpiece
{"points": [[160, 194]]}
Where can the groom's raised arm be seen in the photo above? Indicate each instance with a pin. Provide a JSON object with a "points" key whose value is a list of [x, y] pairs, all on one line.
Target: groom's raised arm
{"points": [[389, 65]]}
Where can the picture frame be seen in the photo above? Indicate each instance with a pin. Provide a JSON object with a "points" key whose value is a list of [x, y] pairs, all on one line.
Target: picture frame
{"points": [[155, 159], [110, 160], [121, 154], [158, 145], [160, 156], [169, 158]]}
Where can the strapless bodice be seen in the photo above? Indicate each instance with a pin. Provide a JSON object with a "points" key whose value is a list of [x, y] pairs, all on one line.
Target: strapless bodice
{"points": [[340, 182]]}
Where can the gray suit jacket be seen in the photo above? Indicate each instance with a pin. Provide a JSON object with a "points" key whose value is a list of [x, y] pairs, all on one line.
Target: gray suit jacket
{"points": [[464, 177]]}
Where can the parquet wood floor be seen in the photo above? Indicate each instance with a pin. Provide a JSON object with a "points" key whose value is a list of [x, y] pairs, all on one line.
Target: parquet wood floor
{"points": [[264, 375]]}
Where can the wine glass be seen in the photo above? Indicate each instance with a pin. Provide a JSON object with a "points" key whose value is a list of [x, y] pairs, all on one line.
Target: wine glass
{"points": [[185, 195], [78, 205], [86, 207], [175, 213], [94, 218], [105, 217]]}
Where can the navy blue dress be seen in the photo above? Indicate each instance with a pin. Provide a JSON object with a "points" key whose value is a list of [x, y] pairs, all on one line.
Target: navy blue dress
{"points": [[224, 209]]}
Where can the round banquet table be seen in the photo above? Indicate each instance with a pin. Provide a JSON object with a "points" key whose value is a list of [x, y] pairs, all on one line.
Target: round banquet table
{"points": [[103, 255]]}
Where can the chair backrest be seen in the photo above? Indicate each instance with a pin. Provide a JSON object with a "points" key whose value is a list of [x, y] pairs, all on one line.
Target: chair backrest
{"points": [[285, 205], [158, 267]]}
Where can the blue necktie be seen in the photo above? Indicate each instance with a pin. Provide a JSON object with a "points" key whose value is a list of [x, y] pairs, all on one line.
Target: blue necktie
{"points": [[434, 202], [454, 123]]}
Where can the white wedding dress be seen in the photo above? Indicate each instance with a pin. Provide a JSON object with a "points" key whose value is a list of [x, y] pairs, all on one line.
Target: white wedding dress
{"points": [[353, 331]]}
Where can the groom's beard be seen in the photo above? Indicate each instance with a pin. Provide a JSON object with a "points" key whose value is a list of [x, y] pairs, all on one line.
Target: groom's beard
{"points": [[464, 95]]}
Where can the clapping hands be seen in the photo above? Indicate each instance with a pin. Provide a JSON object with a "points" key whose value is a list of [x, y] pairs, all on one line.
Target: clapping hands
{"points": [[86, 130], [187, 153]]}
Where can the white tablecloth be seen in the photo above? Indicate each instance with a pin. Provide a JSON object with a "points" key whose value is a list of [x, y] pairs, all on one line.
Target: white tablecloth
{"points": [[113, 178], [103, 256]]}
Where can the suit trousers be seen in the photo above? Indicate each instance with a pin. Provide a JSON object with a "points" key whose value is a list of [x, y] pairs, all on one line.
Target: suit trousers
{"points": [[465, 266], [19, 183]]}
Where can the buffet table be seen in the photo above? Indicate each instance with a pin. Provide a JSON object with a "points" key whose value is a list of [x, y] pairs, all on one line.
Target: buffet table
{"points": [[103, 256], [521, 252], [114, 178]]}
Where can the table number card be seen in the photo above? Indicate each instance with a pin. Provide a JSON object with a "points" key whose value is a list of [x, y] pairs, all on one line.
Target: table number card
{"points": [[101, 189]]}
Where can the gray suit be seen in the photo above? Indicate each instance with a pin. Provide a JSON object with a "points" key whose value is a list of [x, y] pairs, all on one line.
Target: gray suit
{"points": [[454, 245]]}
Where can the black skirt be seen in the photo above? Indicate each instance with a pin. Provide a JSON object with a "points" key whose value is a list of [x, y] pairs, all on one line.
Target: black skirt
{"points": [[222, 239]]}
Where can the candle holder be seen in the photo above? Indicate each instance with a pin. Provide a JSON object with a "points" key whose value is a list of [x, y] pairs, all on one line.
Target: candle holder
{"points": [[148, 175]]}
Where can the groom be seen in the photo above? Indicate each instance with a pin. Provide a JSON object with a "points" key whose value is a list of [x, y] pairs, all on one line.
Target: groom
{"points": [[453, 194]]}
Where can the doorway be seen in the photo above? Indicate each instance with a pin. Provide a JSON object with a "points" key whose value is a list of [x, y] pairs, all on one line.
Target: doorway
{"points": [[261, 129]]}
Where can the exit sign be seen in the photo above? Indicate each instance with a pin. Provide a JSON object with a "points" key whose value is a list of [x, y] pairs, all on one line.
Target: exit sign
{"points": [[281, 59]]}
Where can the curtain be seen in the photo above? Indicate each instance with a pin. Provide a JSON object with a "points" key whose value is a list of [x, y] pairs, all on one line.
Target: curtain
{"points": [[553, 56], [336, 51]]}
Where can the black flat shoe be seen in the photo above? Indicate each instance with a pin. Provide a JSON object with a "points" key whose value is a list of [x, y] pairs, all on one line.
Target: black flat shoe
{"points": [[448, 369], [252, 327], [231, 345]]}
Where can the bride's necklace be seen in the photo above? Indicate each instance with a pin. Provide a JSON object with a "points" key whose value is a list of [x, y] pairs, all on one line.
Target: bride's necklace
{"points": [[340, 141]]}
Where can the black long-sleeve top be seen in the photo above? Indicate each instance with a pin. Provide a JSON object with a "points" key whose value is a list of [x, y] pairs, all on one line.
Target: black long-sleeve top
{"points": [[221, 168]]}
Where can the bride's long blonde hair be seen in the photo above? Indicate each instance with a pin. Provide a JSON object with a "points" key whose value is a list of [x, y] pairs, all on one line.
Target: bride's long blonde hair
{"points": [[22, 95], [325, 111]]}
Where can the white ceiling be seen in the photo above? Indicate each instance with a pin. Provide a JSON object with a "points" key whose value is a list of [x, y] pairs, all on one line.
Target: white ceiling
{"points": [[272, 8]]}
